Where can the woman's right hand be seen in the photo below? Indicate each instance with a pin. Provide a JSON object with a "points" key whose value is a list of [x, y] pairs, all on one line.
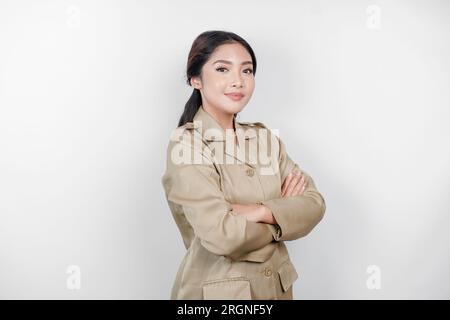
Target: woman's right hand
{"points": [[293, 185]]}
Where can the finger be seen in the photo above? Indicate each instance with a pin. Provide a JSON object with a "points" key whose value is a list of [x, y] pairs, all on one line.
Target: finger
{"points": [[298, 187], [295, 180], [286, 182], [305, 185], [303, 189], [289, 180], [293, 183]]}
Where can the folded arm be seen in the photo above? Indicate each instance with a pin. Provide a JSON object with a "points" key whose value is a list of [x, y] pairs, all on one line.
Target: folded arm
{"points": [[295, 215], [196, 188]]}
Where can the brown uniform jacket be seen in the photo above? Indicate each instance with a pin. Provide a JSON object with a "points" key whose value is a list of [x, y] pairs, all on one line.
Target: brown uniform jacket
{"points": [[229, 257]]}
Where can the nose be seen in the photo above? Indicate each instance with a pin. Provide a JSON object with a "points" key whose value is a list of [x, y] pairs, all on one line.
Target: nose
{"points": [[237, 81]]}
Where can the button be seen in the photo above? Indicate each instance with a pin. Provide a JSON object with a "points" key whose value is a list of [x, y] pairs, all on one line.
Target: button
{"points": [[267, 272], [250, 172]]}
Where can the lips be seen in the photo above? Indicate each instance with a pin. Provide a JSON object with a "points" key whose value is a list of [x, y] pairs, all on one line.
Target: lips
{"points": [[235, 96]]}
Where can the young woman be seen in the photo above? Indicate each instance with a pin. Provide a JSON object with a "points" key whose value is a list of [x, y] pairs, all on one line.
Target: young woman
{"points": [[233, 204]]}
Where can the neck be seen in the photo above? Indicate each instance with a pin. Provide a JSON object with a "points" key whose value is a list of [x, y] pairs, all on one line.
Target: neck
{"points": [[225, 120]]}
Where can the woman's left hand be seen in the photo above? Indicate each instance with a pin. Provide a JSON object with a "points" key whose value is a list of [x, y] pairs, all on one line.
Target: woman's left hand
{"points": [[254, 212]]}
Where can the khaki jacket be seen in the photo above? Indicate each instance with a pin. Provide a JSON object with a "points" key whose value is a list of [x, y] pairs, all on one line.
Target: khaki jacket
{"points": [[229, 257]]}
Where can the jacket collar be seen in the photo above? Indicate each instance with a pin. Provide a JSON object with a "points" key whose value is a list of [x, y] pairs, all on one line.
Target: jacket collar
{"points": [[212, 131]]}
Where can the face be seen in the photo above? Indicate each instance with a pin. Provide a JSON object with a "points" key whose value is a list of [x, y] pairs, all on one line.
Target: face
{"points": [[228, 70]]}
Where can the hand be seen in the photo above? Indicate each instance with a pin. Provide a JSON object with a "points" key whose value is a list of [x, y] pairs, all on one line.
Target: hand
{"points": [[293, 185], [254, 212]]}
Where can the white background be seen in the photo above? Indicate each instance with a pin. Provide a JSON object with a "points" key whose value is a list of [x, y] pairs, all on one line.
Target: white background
{"points": [[90, 91]]}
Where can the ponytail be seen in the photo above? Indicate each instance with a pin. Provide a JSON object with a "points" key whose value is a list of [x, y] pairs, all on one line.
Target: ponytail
{"points": [[191, 107]]}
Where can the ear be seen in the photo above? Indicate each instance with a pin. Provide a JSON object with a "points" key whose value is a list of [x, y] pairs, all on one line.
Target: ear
{"points": [[196, 82]]}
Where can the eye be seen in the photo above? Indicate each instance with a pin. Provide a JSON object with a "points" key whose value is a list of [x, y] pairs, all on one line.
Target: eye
{"points": [[221, 68], [247, 71]]}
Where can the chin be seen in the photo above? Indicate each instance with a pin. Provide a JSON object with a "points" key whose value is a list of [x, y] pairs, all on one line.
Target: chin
{"points": [[234, 107]]}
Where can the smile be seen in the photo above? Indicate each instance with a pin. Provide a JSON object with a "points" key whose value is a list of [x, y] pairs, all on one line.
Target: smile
{"points": [[235, 96]]}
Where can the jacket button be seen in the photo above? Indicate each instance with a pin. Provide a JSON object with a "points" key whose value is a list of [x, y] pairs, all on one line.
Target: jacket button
{"points": [[250, 172], [267, 272]]}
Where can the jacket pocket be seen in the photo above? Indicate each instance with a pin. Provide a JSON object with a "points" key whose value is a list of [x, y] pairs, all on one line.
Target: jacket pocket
{"points": [[237, 288], [287, 274]]}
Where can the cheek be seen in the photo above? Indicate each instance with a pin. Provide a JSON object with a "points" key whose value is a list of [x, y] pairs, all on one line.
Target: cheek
{"points": [[250, 83], [214, 89], [250, 87], [216, 84]]}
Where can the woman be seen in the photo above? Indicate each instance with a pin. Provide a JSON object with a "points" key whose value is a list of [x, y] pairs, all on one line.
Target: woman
{"points": [[234, 213]]}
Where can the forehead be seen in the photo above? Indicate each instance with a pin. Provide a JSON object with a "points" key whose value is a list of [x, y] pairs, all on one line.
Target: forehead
{"points": [[232, 52]]}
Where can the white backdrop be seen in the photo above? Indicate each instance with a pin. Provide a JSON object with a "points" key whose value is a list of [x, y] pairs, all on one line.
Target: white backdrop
{"points": [[90, 91]]}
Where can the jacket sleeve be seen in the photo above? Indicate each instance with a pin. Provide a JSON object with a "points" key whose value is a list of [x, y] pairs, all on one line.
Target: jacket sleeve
{"points": [[297, 215], [196, 188]]}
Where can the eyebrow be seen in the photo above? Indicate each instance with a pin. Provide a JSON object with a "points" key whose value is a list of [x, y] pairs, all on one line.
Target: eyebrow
{"points": [[229, 62]]}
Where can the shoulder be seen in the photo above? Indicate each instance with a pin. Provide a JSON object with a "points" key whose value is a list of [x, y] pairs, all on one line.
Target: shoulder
{"points": [[181, 137], [186, 147], [273, 133], [188, 126], [253, 124], [183, 131]]}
